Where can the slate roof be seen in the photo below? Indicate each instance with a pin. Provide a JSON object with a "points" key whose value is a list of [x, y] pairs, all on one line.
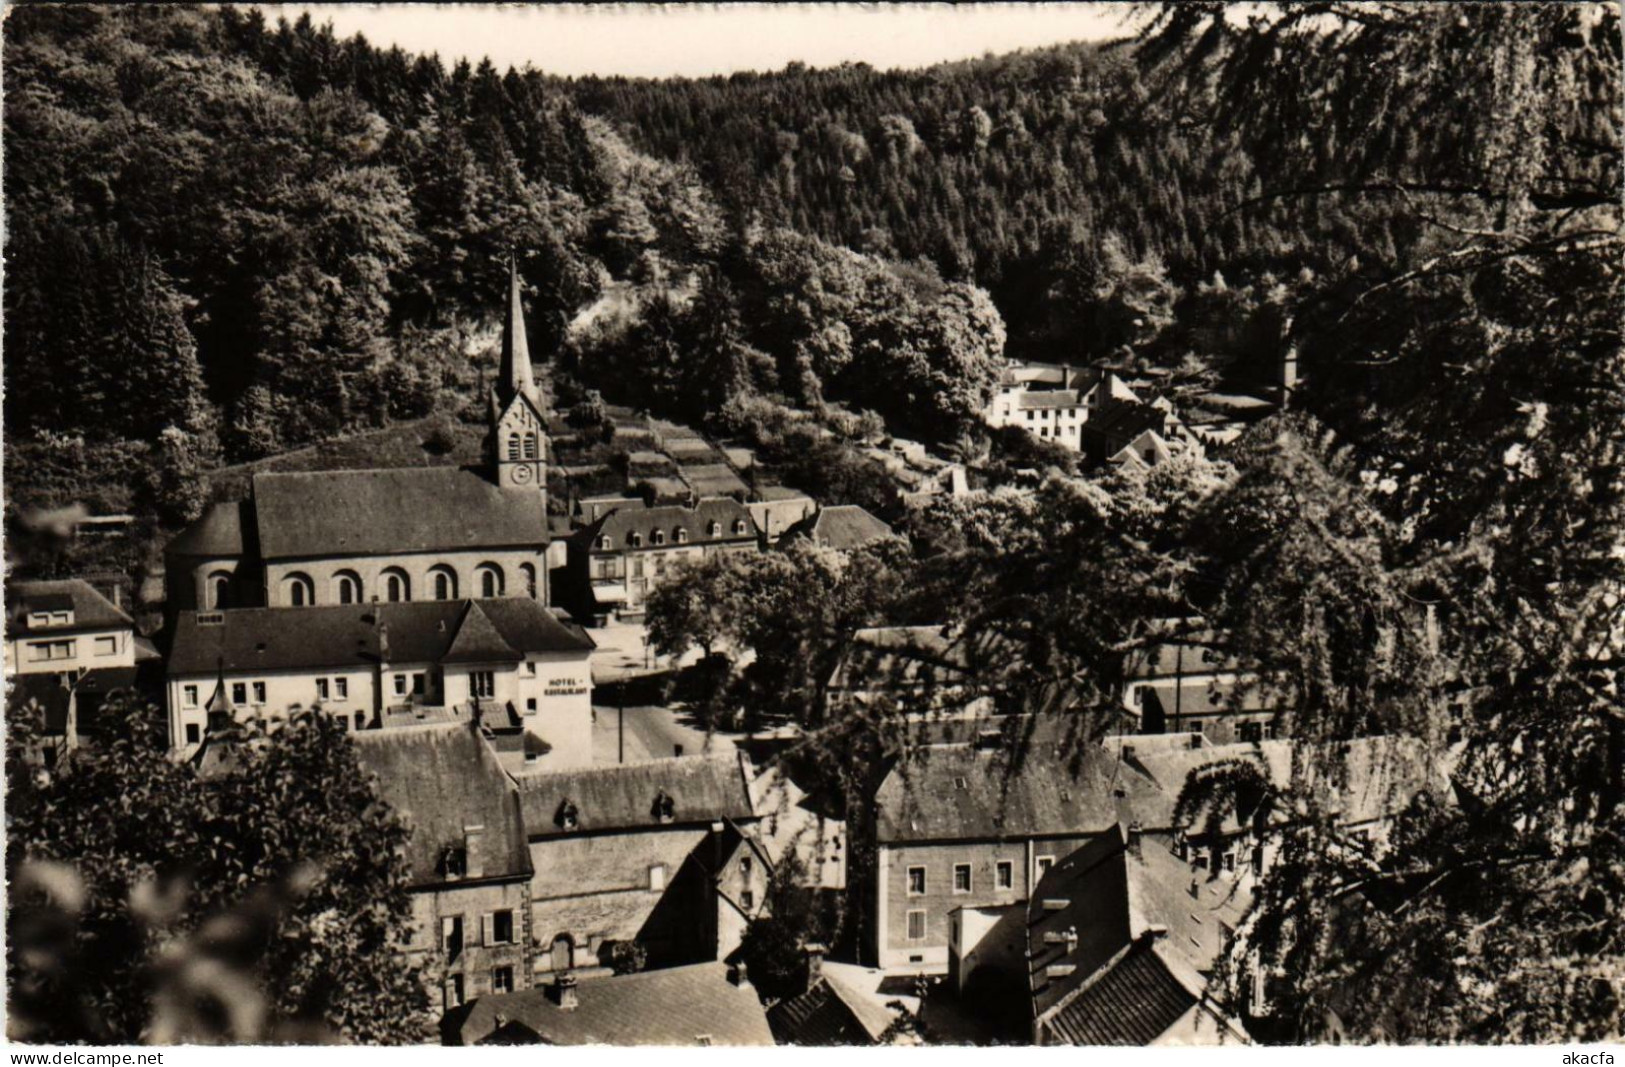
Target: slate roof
{"points": [[1134, 1003], [841, 526], [1049, 398], [1192, 652], [91, 610], [1205, 697], [441, 779], [620, 524], [1371, 777], [217, 533], [1123, 420], [1146, 930], [703, 789], [382, 512], [347, 635], [673, 1006], [829, 1013], [1037, 788]]}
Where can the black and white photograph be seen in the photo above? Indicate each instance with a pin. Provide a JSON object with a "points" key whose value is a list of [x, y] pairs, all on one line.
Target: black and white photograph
{"points": [[928, 526]]}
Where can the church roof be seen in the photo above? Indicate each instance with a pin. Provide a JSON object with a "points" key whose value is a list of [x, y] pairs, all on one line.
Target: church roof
{"points": [[218, 532], [383, 512]]}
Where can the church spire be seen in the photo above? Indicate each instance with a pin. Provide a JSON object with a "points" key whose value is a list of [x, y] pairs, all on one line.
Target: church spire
{"points": [[516, 375]]}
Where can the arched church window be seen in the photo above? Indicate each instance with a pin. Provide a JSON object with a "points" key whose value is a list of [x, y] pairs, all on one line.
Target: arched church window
{"points": [[298, 591], [397, 587], [347, 587], [443, 583], [219, 590], [513, 446], [490, 579], [530, 446], [528, 574]]}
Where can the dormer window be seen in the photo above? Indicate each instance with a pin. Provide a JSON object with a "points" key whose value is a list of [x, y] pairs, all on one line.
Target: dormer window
{"points": [[739, 527], [664, 809], [715, 529], [680, 535], [603, 543], [635, 540], [568, 817], [658, 536]]}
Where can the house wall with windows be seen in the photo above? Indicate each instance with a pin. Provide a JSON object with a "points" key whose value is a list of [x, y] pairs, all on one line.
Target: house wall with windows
{"points": [[268, 695], [913, 927], [69, 650], [472, 940], [609, 887]]}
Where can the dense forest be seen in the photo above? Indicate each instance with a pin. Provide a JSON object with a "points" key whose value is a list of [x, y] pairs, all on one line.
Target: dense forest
{"points": [[230, 238]]}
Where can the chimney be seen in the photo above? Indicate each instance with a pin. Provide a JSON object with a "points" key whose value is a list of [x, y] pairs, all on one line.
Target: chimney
{"points": [[737, 974], [814, 953], [564, 991], [501, 1020], [474, 862], [1134, 838]]}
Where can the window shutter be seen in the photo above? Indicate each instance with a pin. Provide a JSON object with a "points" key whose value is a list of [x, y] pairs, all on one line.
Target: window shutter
{"points": [[488, 928]]}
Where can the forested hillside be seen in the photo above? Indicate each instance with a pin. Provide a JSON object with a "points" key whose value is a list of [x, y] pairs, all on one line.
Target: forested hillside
{"points": [[229, 239]]}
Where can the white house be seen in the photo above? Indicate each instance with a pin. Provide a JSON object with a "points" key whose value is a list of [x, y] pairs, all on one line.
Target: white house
{"points": [[509, 661]]}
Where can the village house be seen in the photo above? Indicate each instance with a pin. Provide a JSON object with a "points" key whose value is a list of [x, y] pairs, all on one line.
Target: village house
{"points": [[843, 527], [658, 852], [359, 536], [775, 509], [469, 865], [65, 627], [829, 1011], [974, 824], [1053, 402], [616, 560], [1120, 944], [506, 661], [1186, 683], [702, 1004], [68, 649]]}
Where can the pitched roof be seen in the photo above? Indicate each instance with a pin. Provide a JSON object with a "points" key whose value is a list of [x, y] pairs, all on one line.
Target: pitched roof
{"points": [[1119, 945], [1124, 420], [478, 640], [1134, 1003], [1033, 787], [675, 1006], [1049, 398], [90, 609], [441, 780], [829, 1013], [703, 789], [218, 532], [620, 524], [347, 635], [1370, 777], [841, 526], [380, 512]]}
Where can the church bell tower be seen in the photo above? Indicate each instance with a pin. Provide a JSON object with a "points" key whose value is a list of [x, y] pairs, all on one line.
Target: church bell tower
{"points": [[518, 432]]}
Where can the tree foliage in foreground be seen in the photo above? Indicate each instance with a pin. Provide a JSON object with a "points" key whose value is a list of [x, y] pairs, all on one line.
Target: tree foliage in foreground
{"points": [[265, 903]]}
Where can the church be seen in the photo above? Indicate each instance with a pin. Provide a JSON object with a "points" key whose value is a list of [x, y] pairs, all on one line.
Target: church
{"points": [[387, 598], [390, 536]]}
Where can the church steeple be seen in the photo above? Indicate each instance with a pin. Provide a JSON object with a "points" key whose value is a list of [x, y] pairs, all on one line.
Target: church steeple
{"points": [[518, 439], [516, 375]]}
